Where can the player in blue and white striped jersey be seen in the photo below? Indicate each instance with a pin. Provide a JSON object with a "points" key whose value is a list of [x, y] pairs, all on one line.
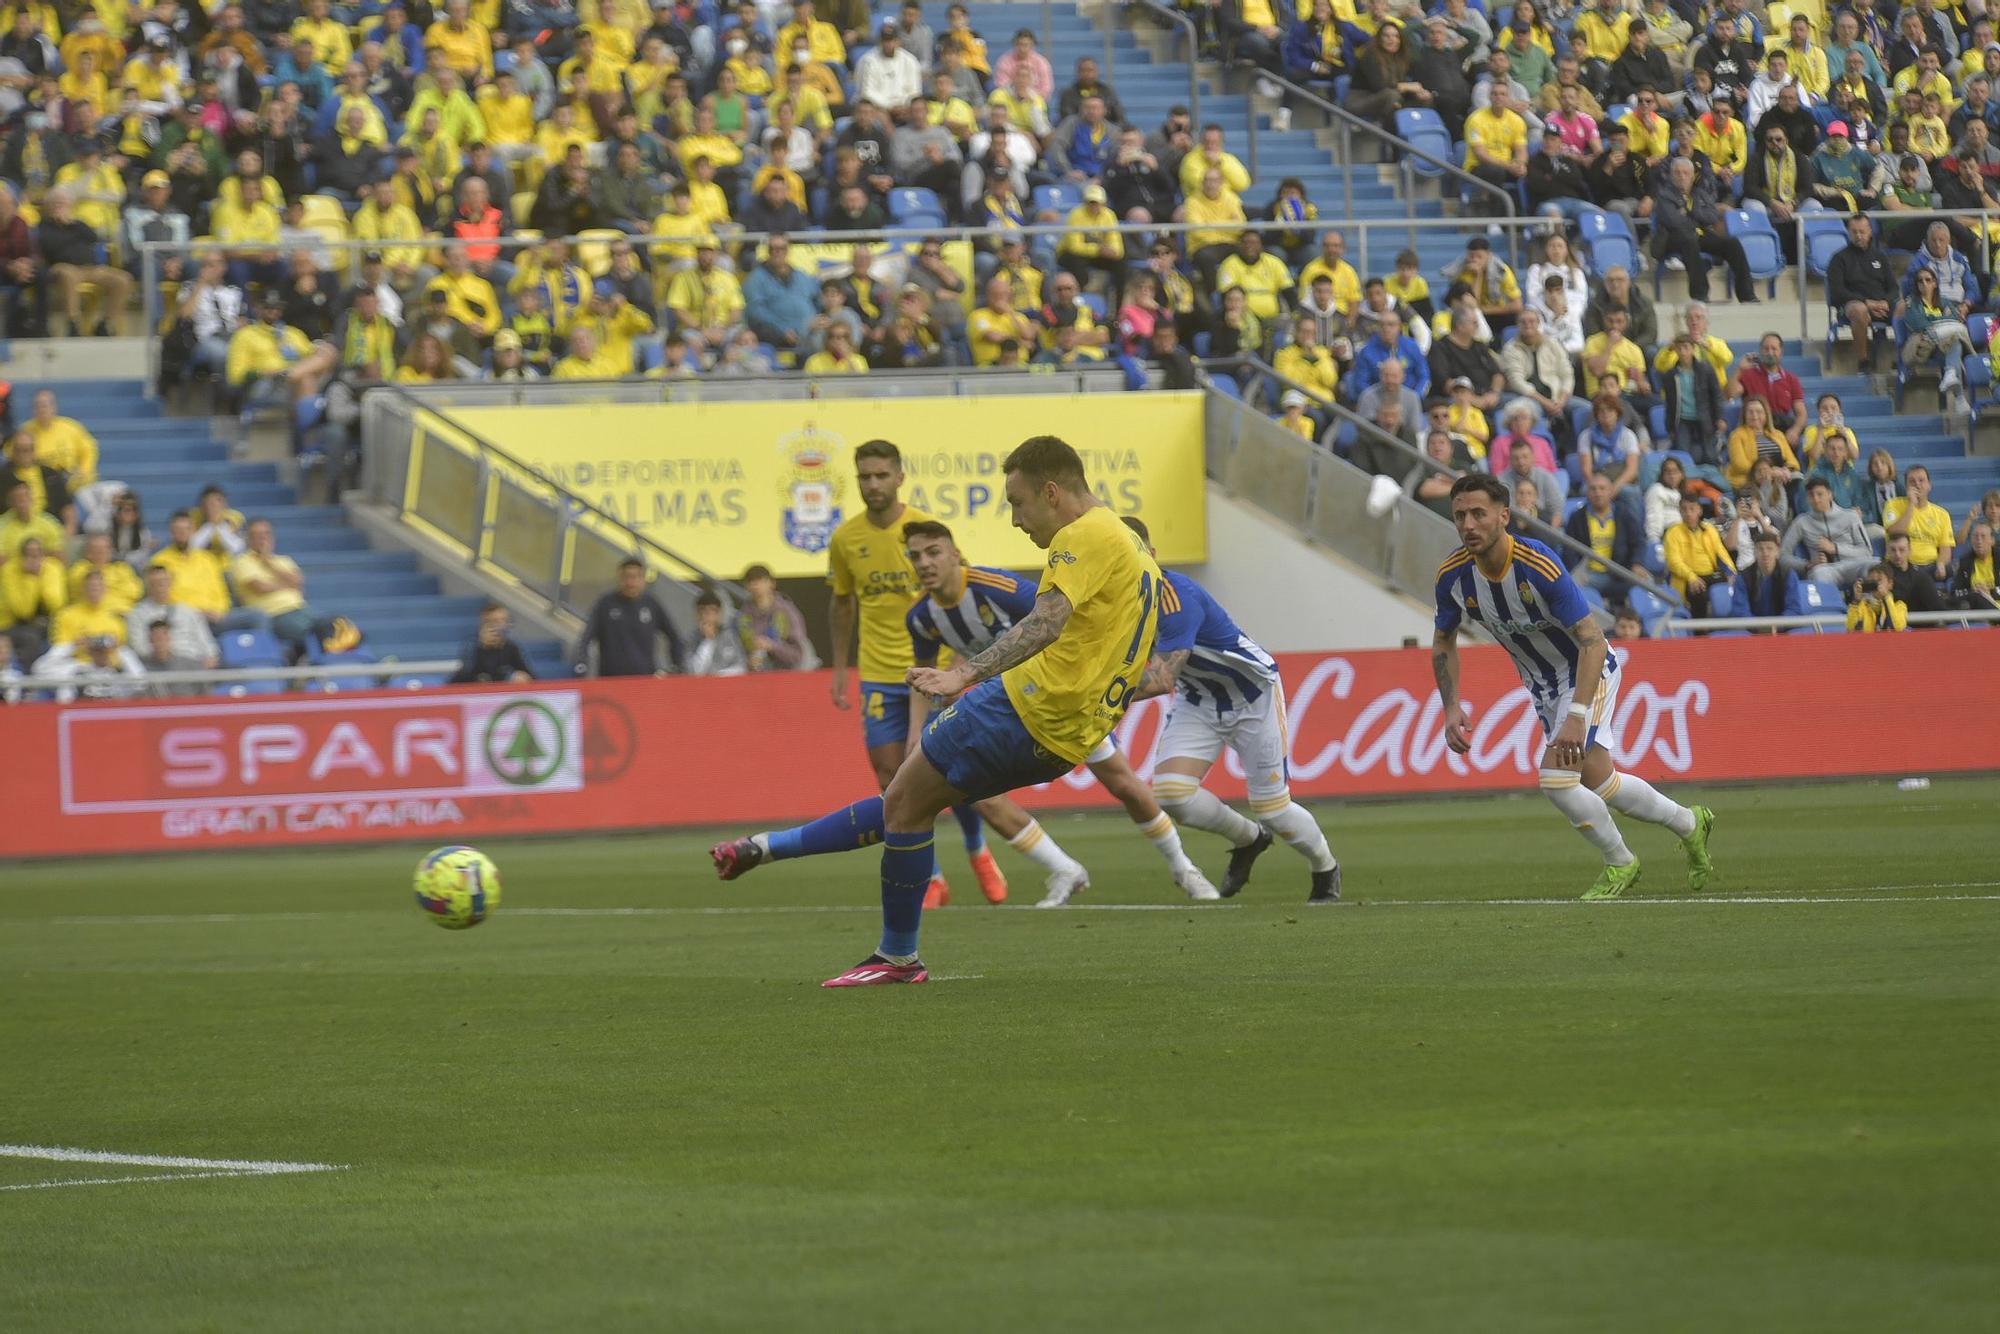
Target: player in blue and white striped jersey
{"points": [[1517, 590], [1227, 694], [964, 609]]}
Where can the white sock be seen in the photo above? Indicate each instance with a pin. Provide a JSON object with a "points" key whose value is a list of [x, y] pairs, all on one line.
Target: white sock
{"points": [[1191, 804], [1167, 840], [1587, 811], [1294, 824], [1035, 844], [1642, 801]]}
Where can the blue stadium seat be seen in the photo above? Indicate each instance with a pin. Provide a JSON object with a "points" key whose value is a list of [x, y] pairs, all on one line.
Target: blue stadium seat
{"points": [[907, 199], [1608, 237], [1058, 198], [1761, 246], [1094, 303], [1653, 611], [1825, 238], [251, 648], [1722, 600], [1424, 129]]}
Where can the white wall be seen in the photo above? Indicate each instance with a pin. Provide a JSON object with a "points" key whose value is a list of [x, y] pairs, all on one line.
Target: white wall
{"points": [[1292, 596]]}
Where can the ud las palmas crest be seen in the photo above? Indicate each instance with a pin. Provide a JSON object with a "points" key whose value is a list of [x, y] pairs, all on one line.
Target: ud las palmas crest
{"points": [[812, 487]]}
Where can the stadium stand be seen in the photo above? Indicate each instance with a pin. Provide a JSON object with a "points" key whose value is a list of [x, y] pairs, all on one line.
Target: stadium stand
{"points": [[322, 187]]}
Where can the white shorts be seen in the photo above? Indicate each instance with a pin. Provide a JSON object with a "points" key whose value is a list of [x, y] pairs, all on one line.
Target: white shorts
{"points": [[1602, 710], [1103, 750], [1255, 732]]}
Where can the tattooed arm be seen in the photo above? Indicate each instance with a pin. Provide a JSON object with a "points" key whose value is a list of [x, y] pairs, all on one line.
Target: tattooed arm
{"points": [[1162, 671], [1030, 635]]}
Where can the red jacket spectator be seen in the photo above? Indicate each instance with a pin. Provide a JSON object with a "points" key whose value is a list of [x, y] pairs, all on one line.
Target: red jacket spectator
{"points": [[1776, 386]]}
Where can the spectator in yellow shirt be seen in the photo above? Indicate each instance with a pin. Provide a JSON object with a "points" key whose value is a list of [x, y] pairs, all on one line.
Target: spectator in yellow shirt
{"points": [[1927, 526], [153, 75], [1209, 155], [459, 117], [1332, 261], [469, 298], [1265, 280], [382, 219], [1089, 246], [997, 322], [509, 114], [1307, 362], [1721, 136], [328, 35], [615, 323], [1878, 607], [1695, 557], [1756, 437], [1496, 141], [121, 582], [62, 442], [1603, 29], [197, 574], [31, 590], [268, 350], [808, 38], [96, 187], [461, 44], [586, 362], [1292, 415], [707, 299], [1711, 349], [1211, 241], [89, 614], [85, 82], [25, 522], [837, 356]]}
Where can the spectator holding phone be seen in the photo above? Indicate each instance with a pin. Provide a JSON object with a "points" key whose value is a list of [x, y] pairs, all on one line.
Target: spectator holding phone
{"points": [[1876, 606]]}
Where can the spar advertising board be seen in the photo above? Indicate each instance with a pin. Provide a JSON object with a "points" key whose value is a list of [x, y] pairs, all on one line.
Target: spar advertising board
{"points": [[440, 765]]}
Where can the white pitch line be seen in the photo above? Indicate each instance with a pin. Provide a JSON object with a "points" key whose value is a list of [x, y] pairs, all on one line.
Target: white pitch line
{"points": [[246, 1166], [120, 1181], [957, 977], [1826, 894], [1704, 900]]}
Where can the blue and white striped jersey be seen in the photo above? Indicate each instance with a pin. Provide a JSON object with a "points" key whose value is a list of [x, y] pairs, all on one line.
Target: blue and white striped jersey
{"points": [[1225, 669], [987, 606], [1528, 609]]}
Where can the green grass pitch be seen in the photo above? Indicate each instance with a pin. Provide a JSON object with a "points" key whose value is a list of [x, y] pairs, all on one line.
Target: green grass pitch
{"points": [[1775, 1109]]}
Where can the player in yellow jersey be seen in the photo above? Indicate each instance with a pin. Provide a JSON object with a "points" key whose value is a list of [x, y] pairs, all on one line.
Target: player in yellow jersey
{"points": [[1024, 711], [874, 587]]}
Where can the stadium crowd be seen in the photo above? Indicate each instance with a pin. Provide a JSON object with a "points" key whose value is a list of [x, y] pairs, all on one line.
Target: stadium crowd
{"points": [[464, 144]]}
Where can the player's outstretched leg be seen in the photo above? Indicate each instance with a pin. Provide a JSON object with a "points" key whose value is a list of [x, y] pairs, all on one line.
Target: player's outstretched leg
{"points": [[844, 830], [1158, 827], [1592, 818], [1194, 807], [992, 880], [1294, 824], [1690, 824]]}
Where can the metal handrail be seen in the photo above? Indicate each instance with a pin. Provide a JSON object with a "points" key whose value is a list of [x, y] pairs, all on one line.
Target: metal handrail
{"points": [[1542, 532], [1708, 625], [574, 506], [1186, 24], [1402, 151]]}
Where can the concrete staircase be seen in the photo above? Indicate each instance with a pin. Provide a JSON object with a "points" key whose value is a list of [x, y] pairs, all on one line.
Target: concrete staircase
{"points": [[167, 461]]}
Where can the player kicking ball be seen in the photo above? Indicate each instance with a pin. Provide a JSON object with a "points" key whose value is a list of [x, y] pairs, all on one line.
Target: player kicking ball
{"points": [[965, 608], [1226, 693], [873, 588], [1025, 710], [1518, 591]]}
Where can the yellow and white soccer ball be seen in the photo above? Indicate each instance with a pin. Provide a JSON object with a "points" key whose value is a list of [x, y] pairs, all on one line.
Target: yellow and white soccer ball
{"points": [[457, 887]]}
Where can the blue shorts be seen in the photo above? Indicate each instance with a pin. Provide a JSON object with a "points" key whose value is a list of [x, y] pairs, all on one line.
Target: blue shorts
{"points": [[983, 750], [885, 713]]}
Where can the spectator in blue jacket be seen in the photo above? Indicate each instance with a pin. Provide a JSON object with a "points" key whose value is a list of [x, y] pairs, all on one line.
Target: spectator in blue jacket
{"points": [[1956, 282], [779, 301], [1390, 343]]}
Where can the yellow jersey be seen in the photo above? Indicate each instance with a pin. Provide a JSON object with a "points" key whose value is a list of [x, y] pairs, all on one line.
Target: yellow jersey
{"points": [[122, 589], [870, 565], [1071, 694], [62, 442], [1930, 528], [80, 620]]}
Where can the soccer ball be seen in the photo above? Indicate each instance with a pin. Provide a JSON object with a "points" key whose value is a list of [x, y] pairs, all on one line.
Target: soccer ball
{"points": [[457, 887]]}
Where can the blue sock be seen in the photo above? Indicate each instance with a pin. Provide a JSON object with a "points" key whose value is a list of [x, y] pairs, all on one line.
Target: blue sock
{"points": [[971, 826], [844, 830], [906, 873]]}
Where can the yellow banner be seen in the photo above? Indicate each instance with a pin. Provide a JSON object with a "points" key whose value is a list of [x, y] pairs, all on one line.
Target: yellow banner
{"points": [[730, 485]]}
